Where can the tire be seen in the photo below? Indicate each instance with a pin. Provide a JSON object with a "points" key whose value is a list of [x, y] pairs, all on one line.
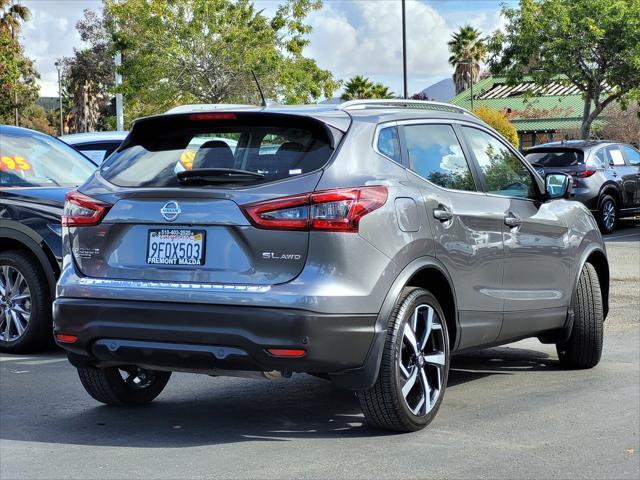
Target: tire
{"points": [[608, 214], [25, 309], [385, 405], [134, 386], [583, 349]]}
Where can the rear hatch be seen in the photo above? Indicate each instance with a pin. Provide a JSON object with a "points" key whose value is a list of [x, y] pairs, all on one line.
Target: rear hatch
{"points": [[557, 160], [170, 204]]}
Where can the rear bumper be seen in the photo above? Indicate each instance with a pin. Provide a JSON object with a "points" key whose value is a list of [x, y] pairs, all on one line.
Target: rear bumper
{"points": [[206, 338]]}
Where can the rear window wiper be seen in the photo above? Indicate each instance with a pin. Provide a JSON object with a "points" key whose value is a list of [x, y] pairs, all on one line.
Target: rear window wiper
{"points": [[217, 175]]}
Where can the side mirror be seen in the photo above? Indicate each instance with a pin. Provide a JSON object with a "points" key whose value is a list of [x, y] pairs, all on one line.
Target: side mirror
{"points": [[558, 185]]}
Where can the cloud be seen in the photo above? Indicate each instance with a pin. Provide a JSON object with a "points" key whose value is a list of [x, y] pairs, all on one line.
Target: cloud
{"points": [[51, 34], [365, 37], [349, 37]]}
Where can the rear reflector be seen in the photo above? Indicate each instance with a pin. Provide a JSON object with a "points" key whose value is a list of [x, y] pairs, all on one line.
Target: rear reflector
{"points": [[338, 210], [64, 338], [82, 211], [585, 173], [212, 116], [286, 352]]}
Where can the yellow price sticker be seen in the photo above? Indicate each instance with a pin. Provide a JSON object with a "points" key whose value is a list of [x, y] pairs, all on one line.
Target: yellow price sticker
{"points": [[14, 163]]}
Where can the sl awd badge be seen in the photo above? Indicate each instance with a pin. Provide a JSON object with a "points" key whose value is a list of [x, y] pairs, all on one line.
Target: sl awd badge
{"points": [[170, 211]]}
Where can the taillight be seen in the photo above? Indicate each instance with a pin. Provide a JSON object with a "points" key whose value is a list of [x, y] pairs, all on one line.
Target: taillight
{"points": [[338, 210], [82, 211], [585, 173]]}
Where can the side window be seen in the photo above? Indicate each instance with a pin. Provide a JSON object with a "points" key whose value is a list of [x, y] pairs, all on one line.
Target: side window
{"points": [[503, 172], [615, 154], [632, 155], [389, 143], [436, 155], [600, 159]]}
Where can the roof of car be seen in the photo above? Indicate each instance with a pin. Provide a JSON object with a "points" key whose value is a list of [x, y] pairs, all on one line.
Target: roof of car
{"points": [[76, 138], [340, 115]]}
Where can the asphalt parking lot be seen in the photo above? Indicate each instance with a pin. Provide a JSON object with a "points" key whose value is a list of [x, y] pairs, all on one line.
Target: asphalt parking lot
{"points": [[509, 412]]}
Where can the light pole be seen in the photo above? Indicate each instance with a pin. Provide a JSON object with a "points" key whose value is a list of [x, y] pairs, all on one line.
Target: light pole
{"points": [[404, 49], [58, 65]]}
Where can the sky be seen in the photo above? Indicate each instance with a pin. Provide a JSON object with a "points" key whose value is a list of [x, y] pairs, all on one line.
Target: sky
{"points": [[350, 37]]}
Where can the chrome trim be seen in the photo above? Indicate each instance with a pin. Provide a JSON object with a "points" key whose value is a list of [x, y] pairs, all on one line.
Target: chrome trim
{"points": [[156, 285]]}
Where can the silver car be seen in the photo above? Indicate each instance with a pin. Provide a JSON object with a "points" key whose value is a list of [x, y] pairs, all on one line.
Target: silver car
{"points": [[366, 243]]}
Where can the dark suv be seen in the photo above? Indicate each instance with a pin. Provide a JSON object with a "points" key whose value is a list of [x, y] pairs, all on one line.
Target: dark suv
{"points": [[365, 243], [606, 175]]}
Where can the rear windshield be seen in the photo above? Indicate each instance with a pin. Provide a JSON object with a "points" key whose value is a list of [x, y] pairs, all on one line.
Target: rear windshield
{"points": [[31, 159], [555, 158], [274, 146]]}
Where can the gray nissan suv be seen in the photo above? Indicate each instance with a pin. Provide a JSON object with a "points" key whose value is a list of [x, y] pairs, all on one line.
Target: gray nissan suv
{"points": [[365, 243]]}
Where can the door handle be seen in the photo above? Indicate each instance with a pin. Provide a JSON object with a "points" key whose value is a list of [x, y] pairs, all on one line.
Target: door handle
{"points": [[512, 221], [442, 213]]}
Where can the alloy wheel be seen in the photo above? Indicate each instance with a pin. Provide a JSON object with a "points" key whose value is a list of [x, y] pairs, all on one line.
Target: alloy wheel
{"points": [[609, 215], [15, 304], [422, 360]]}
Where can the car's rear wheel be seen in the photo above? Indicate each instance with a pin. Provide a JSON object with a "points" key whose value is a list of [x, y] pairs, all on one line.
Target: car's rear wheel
{"points": [[125, 385], [25, 304], [583, 349], [414, 367], [608, 214]]}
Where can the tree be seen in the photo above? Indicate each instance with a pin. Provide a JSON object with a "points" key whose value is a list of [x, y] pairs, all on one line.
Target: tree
{"points": [[591, 44], [203, 51], [360, 87], [89, 75], [499, 122], [12, 15], [17, 75], [621, 124], [18, 86], [468, 49]]}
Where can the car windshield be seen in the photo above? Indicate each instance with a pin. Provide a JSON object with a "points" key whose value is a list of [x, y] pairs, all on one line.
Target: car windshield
{"points": [[31, 159], [555, 158], [274, 148]]}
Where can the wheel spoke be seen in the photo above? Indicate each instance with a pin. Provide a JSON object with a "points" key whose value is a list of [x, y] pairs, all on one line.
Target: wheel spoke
{"points": [[436, 358], [17, 323], [8, 284], [24, 313], [22, 296], [426, 388], [410, 382], [403, 369], [7, 326], [411, 338], [428, 327]]}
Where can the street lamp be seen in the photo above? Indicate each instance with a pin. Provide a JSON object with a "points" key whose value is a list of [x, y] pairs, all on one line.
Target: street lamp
{"points": [[404, 49], [58, 65]]}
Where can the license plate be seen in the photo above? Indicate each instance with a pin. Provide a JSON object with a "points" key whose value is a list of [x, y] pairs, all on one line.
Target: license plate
{"points": [[175, 246]]}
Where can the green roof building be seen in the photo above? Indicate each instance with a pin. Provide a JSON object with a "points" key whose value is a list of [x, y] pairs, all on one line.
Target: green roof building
{"points": [[540, 113]]}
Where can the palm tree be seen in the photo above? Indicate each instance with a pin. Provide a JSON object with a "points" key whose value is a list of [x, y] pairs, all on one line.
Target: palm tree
{"points": [[468, 49], [360, 87], [11, 16]]}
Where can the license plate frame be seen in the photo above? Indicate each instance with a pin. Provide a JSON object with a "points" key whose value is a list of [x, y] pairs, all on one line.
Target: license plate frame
{"points": [[174, 259]]}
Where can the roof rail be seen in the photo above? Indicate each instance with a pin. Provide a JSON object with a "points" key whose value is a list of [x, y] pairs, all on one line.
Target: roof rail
{"points": [[402, 103], [207, 107]]}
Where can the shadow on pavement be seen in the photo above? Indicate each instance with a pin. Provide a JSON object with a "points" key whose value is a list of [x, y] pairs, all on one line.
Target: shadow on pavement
{"points": [[627, 230], [232, 410]]}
